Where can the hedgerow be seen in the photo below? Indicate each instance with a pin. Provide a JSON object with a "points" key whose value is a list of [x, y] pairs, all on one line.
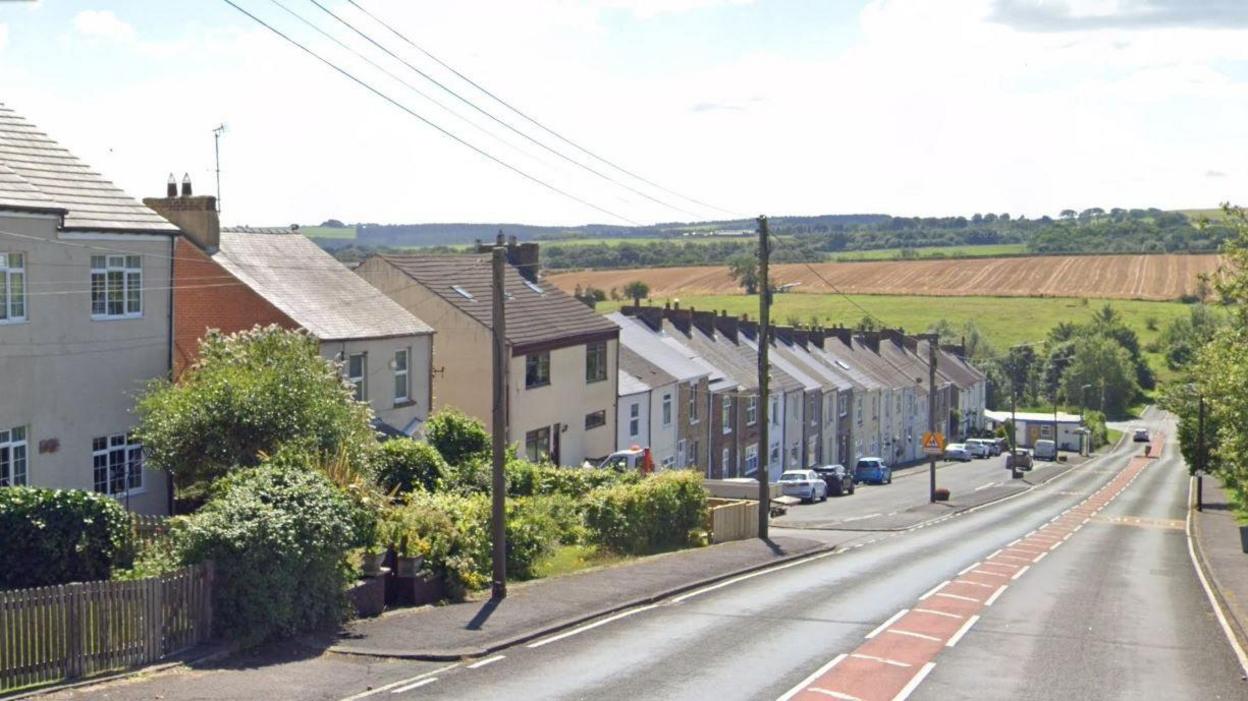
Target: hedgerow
{"points": [[667, 510], [54, 536]]}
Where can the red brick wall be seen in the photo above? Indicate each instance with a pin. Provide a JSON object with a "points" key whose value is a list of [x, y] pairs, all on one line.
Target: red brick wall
{"points": [[207, 296]]}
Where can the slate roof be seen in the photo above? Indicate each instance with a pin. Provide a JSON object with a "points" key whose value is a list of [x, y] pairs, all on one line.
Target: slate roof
{"points": [[311, 287], [817, 368], [639, 338], [36, 173], [537, 313], [641, 370], [631, 385]]}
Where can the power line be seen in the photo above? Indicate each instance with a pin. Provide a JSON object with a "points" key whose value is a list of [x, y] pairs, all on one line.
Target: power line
{"points": [[494, 118], [534, 121], [364, 84]]}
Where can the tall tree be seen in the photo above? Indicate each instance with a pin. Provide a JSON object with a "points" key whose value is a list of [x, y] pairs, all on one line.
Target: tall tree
{"points": [[744, 271], [637, 291]]}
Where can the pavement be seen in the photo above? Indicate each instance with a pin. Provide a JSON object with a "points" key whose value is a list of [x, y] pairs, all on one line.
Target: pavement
{"points": [[1216, 544], [479, 627]]}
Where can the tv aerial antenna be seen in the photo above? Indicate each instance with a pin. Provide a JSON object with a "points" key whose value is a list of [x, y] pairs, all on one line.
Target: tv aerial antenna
{"points": [[217, 133]]}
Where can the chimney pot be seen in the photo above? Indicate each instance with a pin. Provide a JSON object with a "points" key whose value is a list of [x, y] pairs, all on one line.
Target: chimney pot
{"points": [[186, 185], [171, 187], [501, 240]]}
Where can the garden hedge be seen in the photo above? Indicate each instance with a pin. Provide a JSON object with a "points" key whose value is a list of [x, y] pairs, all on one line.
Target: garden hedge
{"points": [[667, 510], [54, 536]]}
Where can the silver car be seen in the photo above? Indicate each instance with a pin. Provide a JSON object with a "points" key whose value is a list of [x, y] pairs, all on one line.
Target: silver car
{"points": [[806, 485]]}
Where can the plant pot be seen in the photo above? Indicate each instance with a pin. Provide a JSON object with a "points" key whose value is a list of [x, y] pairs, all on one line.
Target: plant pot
{"points": [[1243, 538], [942, 494], [371, 563], [408, 567]]}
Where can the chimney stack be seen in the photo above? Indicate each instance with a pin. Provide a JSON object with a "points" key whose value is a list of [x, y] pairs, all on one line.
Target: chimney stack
{"points": [[872, 340], [817, 336], [783, 333], [728, 326], [705, 322], [195, 215], [842, 334]]}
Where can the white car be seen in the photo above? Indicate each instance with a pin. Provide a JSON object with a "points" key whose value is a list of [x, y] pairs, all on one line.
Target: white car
{"points": [[958, 451], [807, 485], [979, 447]]}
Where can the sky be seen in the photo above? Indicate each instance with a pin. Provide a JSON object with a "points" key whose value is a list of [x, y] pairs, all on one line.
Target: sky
{"points": [[731, 107]]}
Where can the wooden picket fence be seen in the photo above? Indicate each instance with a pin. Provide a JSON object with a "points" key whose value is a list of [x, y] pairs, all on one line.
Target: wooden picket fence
{"points": [[732, 519], [74, 631]]}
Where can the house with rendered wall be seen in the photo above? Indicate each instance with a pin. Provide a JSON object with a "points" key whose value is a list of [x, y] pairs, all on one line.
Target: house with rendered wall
{"points": [[836, 391], [563, 374], [86, 321], [633, 418], [802, 402]]}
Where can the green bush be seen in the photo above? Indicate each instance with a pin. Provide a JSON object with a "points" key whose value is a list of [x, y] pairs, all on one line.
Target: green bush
{"points": [[1095, 421], [279, 534], [405, 465], [458, 438], [529, 479], [53, 536], [667, 510]]}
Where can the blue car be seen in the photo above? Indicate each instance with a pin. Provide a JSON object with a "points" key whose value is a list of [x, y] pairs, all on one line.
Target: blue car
{"points": [[873, 470]]}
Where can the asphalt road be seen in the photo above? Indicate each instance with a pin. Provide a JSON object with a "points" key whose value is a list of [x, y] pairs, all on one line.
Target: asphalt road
{"points": [[1116, 612]]}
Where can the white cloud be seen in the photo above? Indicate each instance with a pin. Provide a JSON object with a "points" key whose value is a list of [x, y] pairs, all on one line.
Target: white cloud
{"points": [[4, 35], [102, 24], [646, 9]]}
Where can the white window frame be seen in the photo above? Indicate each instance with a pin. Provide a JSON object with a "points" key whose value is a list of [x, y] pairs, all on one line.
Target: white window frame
{"points": [[693, 403], [751, 459], [723, 464], [667, 409], [775, 411], [751, 411], [595, 362], [108, 453], [14, 454], [725, 414], [360, 381], [634, 420], [130, 268], [402, 373], [682, 451], [13, 305]]}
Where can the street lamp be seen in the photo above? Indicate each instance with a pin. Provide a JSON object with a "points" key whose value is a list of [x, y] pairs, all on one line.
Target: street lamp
{"points": [[1083, 402]]}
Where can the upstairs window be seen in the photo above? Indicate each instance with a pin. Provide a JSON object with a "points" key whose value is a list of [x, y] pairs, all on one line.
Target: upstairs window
{"points": [[401, 391], [357, 370], [12, 287], [116, 287], [726, 415], [536, 370], [117, 464], [751, 411], [13, 457], [667, 410], [693, 402], [596, 362]]}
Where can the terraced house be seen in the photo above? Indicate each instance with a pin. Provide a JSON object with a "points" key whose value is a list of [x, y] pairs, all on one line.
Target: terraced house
{"points": [[85, 321], [564, 358]]}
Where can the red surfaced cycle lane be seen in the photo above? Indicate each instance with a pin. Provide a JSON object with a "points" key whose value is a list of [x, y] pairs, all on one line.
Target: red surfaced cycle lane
{"points": [[899, 654]]}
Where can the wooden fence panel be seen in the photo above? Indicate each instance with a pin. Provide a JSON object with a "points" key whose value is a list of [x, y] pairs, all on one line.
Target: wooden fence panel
{"points": [[72, 631]]}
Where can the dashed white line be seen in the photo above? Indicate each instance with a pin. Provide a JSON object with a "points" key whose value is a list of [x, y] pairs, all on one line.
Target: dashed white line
{"points": [[858, 518], [884, 660], [801, 686], [1020, 572], [984, 486], [914, 683], [488, 660], [912, 634], [416, 685], [969, 568], [891, 620], [595, 624], [994, 554], [933, 590], [995, 595], [974, 584], [742, 578], [939, 613], [959, 597], [834, 694], [962, 631], [400, 682], [987, 573]]}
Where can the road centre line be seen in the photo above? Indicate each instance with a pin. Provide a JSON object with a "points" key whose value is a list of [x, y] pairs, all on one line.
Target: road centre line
{"points": [[401, 682], [590, 626], [962, 631], [489, 660], [933, 590], [891, 620], [994, 554], [751, 575], [968, 568], [409, 687], [984, 486]]}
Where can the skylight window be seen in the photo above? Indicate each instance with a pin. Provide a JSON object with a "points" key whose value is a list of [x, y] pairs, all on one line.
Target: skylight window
{"points": [[534, 286], [463, 293], [841, 364]]}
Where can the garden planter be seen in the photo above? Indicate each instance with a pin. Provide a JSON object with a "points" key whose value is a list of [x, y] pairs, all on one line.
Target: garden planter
{"points": [[371, 564], [408, 567], [368, 597], [1243, 538], [942, 494]]}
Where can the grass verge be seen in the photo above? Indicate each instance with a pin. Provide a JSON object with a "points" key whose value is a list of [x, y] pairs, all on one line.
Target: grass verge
{"points": [[575, 558]]}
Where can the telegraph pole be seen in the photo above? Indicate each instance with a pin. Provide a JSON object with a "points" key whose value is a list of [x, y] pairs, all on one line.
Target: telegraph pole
{"points": [[498, 486], [1200, 456], [764, 343], [931, 411]]}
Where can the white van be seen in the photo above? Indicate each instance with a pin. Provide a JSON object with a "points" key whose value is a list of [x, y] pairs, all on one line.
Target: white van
{"points": [[1045, 450], [979, 447]]}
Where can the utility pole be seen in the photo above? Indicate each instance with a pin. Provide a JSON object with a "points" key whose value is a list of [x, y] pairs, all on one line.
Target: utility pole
{"points": [[1014, 473], [498, 486], [216, 147], [931, 410], [1200, 455], [764, 343]]}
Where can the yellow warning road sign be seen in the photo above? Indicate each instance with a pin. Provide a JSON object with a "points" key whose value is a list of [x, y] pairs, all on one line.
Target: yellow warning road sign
{"points": [[934, 443]]}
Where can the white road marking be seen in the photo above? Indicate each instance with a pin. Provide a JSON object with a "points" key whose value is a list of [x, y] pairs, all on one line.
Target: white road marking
{"points": [[801, 686], [488, 660], [995, 595], [962, 631], [891, 620], [591, 626], [968, 568], [751, 575], [884, 660], [1055, 545], [991, 574], [939, 613], [1020, 572], [1213, 601], [1010, 557], [984, 486], [912, 634], [858, 518], [933, 590], [833, 694], [994, 554], [401, 682], [974, 584], [959, 597], [418, 684], [914, 683]]}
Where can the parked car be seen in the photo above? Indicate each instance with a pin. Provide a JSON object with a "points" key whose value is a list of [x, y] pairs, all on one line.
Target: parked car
{"points": [[1141, 435], [999, 446], [873, 470], [839, 480], [804, 484], [1045, 450], [1022, 459], [978, 447], [958, 451]]}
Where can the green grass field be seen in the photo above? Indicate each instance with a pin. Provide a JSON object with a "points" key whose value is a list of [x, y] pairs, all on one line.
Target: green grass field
{"points": [[1003, 249], [328, 232], [1006, 321], [642, 241]]}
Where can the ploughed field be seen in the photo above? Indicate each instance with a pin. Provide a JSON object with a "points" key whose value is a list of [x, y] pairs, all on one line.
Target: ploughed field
{"points": [[1146, 277]]}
